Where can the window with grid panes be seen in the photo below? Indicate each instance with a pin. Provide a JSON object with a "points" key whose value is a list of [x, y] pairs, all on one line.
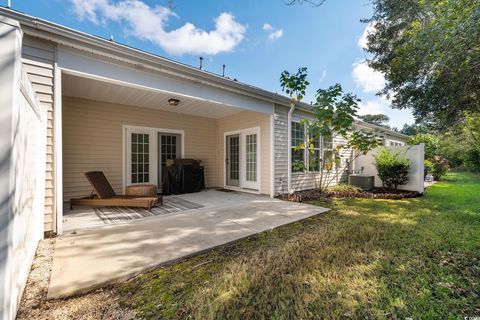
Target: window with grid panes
{"points": [[140, 158], [327, 150], [313, 153], [298, 138]]}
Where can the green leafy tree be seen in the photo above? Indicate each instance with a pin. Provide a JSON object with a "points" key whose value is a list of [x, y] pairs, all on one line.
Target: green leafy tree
{"points": [[431, 143], [413, 129], [392, 168], [429, 52], [295, 86], [460, 145], [334, 115], [381, 120]]}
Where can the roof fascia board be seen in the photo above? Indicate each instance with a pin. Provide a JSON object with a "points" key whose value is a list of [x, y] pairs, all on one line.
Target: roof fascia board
{"points": [[385, 130], [76, 39]]}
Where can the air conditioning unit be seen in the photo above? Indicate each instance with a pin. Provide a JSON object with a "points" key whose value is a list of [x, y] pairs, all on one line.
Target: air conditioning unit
{"points": [[362, 181]]}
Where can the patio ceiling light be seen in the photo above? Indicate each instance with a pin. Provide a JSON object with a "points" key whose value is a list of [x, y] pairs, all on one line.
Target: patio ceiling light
{"points": [[173, 102]]}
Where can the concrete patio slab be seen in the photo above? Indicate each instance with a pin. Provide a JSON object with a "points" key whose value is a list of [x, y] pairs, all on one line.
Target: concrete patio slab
{"points": [[93, 258]]}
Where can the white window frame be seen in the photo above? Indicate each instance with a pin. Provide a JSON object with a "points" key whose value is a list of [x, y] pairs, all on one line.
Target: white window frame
{"points": [[306, 151], [154, 160]]}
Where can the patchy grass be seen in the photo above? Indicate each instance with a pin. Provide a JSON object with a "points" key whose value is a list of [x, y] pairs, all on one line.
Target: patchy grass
{"points": [[417, 258]]}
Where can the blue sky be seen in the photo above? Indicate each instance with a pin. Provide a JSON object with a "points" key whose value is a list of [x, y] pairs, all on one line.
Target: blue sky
{"points": [[255, 39]]}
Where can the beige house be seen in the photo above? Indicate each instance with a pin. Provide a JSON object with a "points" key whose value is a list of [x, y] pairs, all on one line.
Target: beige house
{"points": [[99, 105]]}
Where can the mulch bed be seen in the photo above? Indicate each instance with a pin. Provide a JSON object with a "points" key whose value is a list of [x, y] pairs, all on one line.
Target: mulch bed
{"points": [[378, 193]]}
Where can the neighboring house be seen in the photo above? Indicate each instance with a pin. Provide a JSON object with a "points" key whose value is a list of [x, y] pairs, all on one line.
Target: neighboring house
{"points": [[100, 105]]}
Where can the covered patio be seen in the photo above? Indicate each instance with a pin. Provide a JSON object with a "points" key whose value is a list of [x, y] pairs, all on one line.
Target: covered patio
{"points": [[87, 217], [103, 122]]}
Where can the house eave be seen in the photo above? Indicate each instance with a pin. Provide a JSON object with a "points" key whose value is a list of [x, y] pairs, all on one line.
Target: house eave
{"points": [[381, 129], [68, 37]]}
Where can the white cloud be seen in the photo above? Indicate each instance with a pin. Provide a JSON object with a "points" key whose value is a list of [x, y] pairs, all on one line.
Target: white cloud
{"points": [[149, 23], [382, 105], [267, 27], [363, 40], [375, 106], [273, 34], [277, 34], [366, 78], [322, 76]]}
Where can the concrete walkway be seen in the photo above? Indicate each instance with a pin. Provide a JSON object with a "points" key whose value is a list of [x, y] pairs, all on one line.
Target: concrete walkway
{"points": [[93, 258]]}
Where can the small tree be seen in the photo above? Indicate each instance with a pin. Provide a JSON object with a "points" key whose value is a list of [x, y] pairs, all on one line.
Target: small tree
{"points": [[392, 168], [334, 116]]}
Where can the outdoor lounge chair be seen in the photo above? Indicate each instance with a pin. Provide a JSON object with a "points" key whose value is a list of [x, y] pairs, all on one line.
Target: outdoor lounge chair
{"points": [[103, 195]]}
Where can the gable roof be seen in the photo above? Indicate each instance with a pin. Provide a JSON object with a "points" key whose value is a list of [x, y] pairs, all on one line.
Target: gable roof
{"points": [[47, 30], [44, 29]]}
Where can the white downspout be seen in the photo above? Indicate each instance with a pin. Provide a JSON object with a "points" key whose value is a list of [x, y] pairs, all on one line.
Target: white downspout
{"points": [[289, 146]]}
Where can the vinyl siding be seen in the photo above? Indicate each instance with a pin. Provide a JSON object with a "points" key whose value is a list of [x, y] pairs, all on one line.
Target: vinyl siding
{"points": [[246, 120], [93, 140], [281, 149], [300, 180], [38, 58], [311, 180]]}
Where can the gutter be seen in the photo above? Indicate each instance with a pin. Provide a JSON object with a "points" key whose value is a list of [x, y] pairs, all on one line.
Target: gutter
{"points": [[289, 142]]}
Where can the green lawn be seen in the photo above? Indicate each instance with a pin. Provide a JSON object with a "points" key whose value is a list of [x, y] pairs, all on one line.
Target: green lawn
{"points": [[417, 258]]}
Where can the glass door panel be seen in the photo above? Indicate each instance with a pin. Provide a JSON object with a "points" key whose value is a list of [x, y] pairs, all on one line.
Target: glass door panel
{"points": [[250, 160], [169, 148], [140, 165], [232, 161]]}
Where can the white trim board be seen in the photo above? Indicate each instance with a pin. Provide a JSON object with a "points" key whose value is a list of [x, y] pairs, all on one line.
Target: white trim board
{"points": [[58, 148]]}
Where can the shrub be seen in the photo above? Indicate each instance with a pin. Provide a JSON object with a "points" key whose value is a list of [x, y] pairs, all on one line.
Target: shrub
{"points": [[392, 168], [440, 167]]}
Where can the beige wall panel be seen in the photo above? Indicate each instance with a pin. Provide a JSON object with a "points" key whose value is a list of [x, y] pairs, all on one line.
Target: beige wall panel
{"points": [[93, 140]]}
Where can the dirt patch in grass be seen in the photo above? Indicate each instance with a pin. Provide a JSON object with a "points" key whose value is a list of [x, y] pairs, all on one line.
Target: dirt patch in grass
{"points": [[101, 304]]}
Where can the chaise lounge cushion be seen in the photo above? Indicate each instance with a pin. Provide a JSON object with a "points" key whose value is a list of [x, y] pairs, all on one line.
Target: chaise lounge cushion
{"points": [[100, 184]]}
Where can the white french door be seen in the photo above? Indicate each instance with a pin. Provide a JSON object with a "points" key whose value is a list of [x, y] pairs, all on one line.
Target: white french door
{"points": [[141, 164], [244, 167], [147, 151]]}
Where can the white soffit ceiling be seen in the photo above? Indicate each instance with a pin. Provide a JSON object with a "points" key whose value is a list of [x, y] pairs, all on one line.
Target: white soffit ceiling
{"points": [[78, 87]]}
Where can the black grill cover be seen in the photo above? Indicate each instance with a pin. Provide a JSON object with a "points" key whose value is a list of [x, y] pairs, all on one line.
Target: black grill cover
{"points": [[183, 178]]}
